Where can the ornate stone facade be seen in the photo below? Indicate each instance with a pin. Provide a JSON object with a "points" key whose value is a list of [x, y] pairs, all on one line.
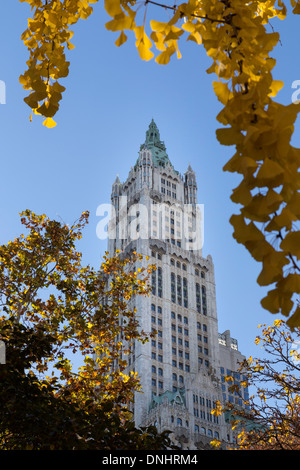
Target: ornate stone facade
{"points": [[182, 370]]}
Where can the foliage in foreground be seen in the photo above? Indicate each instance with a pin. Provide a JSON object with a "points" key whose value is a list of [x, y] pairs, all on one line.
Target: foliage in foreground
{"points": [[53, 311], [272, 423]]}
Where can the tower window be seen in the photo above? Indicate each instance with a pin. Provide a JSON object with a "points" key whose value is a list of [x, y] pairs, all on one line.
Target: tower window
{"points": [[157, 282], [198, 299], [204, 305]]}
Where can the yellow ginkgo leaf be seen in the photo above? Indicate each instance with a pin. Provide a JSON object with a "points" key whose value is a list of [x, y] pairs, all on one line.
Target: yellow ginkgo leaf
{"points": [[284, 219], [143, 43], [259, 250], [121, 22], [158, 39], [291, 243], [70, 45], [160, 27], [290, 284], [164, 57], [240, 164], [245, 232], [296, 10], [229, 136], [121, 39], [270, 173], [195, 37], [113, 7], [49, 122], [241, 194], [262, 206], [189, 27], [276, 85], [222, 91], [294, 320], [271, 301], [273, 263]]}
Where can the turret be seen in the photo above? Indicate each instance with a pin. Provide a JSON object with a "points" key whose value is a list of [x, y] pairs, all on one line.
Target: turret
{"points": [[190, 186]]}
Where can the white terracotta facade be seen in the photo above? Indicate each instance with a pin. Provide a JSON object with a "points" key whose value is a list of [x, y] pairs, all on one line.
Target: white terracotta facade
{"points": [[181, 370]]}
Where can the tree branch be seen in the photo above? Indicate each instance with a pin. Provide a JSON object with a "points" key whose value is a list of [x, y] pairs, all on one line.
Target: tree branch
{"points": [[174, 8]]}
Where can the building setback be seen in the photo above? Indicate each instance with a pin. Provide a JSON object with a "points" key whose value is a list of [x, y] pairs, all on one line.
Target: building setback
{"points": [[182, 369]]}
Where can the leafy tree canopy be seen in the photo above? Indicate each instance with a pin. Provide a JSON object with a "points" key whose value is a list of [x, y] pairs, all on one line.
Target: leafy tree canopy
{"points": [[55, 312], [269, 418]]}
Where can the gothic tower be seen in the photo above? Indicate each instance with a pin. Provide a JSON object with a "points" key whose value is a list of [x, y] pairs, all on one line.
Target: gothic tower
{"points": [[181, 371]]}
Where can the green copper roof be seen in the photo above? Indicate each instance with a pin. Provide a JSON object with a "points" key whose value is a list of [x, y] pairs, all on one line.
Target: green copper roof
{"points": [[177, 397], [157, 147]]}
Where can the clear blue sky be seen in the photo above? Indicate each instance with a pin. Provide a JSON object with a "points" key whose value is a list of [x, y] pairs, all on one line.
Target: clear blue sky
{"points": [[110, 100]]}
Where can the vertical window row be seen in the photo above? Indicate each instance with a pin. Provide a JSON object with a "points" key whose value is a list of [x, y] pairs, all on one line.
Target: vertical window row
{"points": [[180, 346], [179, 290], [198, 299], [157, 282], [173, 288], [185, 293], [204, 305], [202, 344], [153, 282], [157, 349], [203, 409], [145, 168]]}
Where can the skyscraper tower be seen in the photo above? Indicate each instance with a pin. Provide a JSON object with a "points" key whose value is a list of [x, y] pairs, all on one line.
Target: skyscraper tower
{"points": [[181, 370]]}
